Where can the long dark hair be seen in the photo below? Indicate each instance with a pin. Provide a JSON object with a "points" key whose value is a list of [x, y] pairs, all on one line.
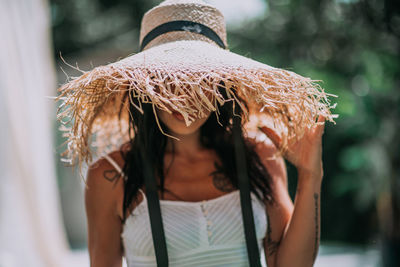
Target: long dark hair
{"points": [[216, 134]]}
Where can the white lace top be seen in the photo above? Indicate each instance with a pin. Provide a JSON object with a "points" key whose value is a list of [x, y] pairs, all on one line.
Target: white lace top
{"points": [[205, 233]]}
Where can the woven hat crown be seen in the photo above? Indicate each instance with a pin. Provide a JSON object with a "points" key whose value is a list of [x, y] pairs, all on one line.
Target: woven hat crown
{"points": [[189, 10]]}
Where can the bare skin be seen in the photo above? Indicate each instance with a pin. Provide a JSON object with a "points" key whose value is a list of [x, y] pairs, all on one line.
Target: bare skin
{"points": [[191, 177], [298, 246]]}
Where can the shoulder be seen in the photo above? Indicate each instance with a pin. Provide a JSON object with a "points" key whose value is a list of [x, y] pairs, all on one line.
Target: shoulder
{"points": [[103, 173], [270, 158], [104, 184], [263, 146]]}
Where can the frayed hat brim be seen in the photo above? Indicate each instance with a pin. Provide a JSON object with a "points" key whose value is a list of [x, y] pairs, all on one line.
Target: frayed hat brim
{"points": [[183, 75]]}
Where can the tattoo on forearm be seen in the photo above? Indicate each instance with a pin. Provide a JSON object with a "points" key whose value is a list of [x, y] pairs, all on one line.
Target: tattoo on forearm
{"points": [[221, 182], [111, 175], [316, 226], [272, 246]]}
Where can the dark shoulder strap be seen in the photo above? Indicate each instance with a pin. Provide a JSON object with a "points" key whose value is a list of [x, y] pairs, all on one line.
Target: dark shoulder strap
{"points": [[245, 198], [157, 228]]}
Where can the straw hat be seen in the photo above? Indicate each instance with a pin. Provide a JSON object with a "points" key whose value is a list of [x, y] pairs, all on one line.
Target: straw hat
{"points": [[184, 59]]}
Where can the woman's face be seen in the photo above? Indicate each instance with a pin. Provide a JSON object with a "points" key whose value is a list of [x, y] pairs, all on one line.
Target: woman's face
{"points": [[176, 123]]}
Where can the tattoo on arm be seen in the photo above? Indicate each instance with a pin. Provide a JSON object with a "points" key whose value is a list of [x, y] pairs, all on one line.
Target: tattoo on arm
{"points": [[272, 246], [111, 175], [316, 226]]}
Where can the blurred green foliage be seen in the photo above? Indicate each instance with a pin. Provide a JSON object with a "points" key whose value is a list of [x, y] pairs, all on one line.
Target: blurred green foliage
{"points": [[352, 46]]}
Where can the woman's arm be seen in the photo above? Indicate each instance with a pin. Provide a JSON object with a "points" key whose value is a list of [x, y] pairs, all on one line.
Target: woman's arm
{"points": [[280, 211], [299, 241], [299, 245], [102, 195]]}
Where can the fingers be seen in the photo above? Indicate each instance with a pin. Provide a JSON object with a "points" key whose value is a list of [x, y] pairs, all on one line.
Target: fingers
{"points": [[321, 118], [317, 130], [275, 138]]}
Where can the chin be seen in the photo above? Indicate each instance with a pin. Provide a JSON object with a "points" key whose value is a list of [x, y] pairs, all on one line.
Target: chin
{"points": [[176, 124]]}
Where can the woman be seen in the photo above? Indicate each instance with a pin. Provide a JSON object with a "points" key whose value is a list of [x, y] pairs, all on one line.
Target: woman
{"points": [[293, 233], [179, 102]]}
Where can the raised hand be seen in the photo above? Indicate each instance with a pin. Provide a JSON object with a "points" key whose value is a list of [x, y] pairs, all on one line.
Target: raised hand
{"points": [[305, 153]]}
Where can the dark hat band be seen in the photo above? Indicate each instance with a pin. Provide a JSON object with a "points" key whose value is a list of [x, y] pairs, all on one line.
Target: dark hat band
{"points": [[182, 25]]}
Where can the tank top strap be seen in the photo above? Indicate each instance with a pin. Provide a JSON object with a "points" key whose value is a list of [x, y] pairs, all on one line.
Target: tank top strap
{"points": [[143, 194], [114, 164]]}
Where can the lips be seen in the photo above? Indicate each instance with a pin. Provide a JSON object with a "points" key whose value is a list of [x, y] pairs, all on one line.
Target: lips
{"points": [[178, 116]]}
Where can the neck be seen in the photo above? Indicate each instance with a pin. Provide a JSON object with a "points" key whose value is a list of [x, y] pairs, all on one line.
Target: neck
{"points": [[186, 145]]}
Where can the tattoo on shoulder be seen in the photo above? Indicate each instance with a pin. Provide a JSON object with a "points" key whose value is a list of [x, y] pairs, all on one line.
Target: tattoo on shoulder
{"points": [[221, 182], [111, 175], [272, 246]]}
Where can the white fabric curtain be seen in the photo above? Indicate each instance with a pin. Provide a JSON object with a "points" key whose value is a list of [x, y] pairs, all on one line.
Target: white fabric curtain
{"points": [[31, 229]]}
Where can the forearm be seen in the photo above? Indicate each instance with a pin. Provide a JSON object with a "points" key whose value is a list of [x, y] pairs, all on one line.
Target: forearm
{"points": [[299, 245]]}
